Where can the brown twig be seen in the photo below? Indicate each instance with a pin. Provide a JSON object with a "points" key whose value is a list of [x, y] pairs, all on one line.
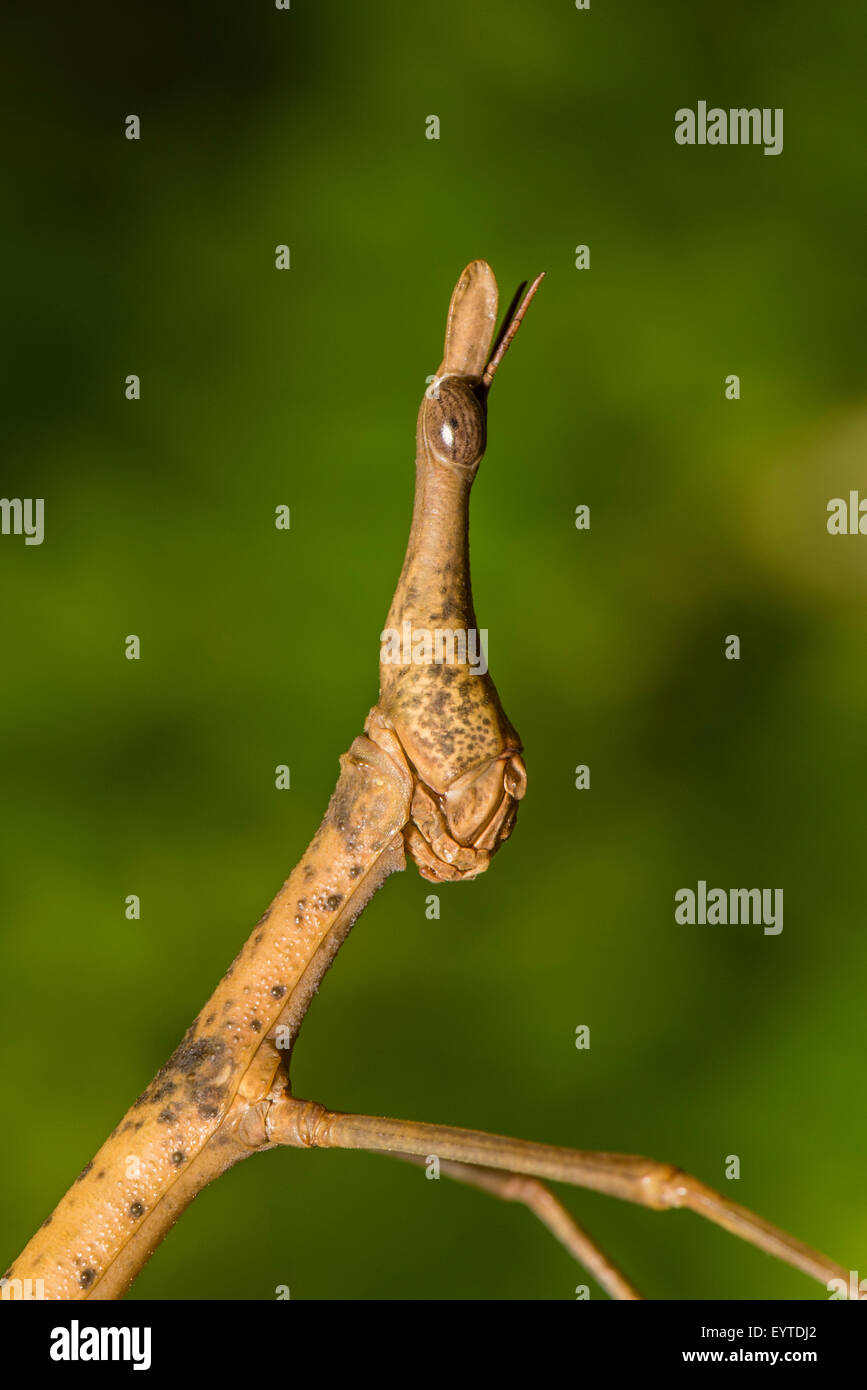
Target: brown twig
{"points": [[643, 1181], [538, 1199], [438, 772]]}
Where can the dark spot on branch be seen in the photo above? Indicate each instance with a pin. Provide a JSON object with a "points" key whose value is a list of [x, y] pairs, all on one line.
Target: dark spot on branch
{"points": [[85, 1170], [334, 902], [201, 1090], [86, 1277], [278, 991], [178, 1158], [136, 1209], [190, 1058]]}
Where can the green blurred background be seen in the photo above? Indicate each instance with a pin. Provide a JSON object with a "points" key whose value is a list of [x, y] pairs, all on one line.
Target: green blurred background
{"points": [[259, 647]]}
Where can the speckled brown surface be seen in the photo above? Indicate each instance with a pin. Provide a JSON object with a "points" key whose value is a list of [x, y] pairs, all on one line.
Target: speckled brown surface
{"points": [[438, 770], [463, 753]]}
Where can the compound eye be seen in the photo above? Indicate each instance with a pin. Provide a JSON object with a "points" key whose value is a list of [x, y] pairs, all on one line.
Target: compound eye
{"points": [[454, 426]]}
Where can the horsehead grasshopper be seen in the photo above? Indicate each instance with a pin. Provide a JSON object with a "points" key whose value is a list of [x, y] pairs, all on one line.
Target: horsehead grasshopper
{"points": [[444, 720], [437, 773]]}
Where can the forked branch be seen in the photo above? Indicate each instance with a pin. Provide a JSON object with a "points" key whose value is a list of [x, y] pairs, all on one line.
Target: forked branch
{"points": [[537, 1198], [643, 1181], [438, 773]]}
